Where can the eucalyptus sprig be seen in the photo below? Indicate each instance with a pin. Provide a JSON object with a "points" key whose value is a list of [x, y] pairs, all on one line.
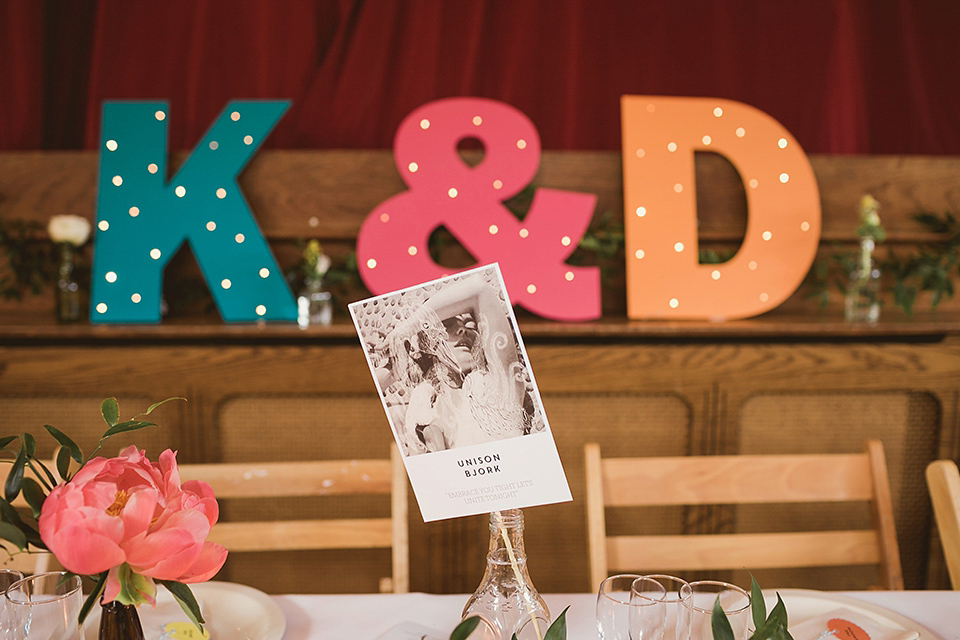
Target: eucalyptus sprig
{"points": [[772, 627]]}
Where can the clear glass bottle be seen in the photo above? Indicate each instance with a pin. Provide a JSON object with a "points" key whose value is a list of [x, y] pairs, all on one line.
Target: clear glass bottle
{"points": [[506, 600], [314, 305], [68, 289], [863, 291]]}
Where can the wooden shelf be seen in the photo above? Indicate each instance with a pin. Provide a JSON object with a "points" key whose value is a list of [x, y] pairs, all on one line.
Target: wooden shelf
{"points": [[41, 328]]}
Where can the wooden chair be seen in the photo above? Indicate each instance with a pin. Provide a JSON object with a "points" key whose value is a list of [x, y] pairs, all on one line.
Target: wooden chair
{"points": [[740, 479], [35, 561], [314, 478], [943, 480]]}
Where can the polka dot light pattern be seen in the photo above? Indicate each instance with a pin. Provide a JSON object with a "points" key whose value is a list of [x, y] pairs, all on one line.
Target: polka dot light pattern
{"points": [[142, 220], [783, 204], [443, 190]]}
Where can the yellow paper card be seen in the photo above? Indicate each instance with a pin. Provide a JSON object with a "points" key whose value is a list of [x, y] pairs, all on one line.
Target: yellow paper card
{"points": [[184, 631]]}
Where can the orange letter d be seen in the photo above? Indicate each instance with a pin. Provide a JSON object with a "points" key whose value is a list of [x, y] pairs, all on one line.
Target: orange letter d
{"points": [[664, 276]]}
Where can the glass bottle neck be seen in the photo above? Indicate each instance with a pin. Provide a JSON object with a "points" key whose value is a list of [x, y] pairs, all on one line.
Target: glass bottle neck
{"points": [[506, 535], [313, 283], [506, 599], [867, 245], [66, 258]]}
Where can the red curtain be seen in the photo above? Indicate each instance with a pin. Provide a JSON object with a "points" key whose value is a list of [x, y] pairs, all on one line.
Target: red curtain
{"points": [[21, 74], [844, 76]]}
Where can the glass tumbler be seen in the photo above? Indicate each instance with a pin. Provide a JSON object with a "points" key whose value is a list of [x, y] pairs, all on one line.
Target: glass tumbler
{"points": [[677, 617], [45, 606], [648, 609], [7, 578], [623, 615], [698, 599]]}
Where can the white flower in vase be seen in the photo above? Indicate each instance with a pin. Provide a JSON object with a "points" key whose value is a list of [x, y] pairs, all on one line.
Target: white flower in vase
{"points": [[70, 229]]}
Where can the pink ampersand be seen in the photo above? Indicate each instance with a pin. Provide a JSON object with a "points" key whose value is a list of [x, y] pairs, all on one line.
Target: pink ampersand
{"points": [[392, 249]]}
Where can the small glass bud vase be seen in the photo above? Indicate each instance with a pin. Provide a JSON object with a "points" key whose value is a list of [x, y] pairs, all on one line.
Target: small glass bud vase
{"points": [[68, 289], [314, 304], [863, 291], [119, 622], [506, 600]]}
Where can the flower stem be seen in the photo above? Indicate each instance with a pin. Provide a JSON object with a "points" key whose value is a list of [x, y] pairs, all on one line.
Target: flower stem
{"points": [[516, 573]]}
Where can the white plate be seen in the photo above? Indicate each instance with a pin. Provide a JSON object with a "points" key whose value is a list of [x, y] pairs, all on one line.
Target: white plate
{"points": [[232, 612], [803, 604]]}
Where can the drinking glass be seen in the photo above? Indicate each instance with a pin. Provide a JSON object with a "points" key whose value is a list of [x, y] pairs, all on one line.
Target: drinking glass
{"points": [[45, 606], [618, 611], [676, 618], [648, 609], [7, 578], [698, 599]]}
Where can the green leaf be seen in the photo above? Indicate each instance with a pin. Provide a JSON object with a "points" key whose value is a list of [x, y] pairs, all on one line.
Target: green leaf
{"points": [[769, 630], [30, 444], [6, 440], [67, 444], [558, 630], [93, 597], [42, 472], [188, 603], [157, 404], [12, 533], [8, 513], [779, 612], [34, 495], [63, 462], [719, 623], [15, 476], [775, 626], [12, 516], [129, 425], [135, 588], [758, 606], [110, 411], [465, 628]]}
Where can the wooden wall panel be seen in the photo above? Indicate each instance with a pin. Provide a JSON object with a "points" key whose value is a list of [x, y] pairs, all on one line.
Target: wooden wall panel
{"points": [[328, 193], [249, 397], [640, 386]]}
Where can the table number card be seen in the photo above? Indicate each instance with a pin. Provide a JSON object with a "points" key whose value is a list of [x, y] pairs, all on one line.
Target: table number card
{"points": [[845, 624], [460, 396]]}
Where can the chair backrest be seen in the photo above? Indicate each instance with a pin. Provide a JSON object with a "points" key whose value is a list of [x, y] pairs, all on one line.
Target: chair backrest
{"points": [[943, 480], [34, 561], [740, 479], [314, 478]]}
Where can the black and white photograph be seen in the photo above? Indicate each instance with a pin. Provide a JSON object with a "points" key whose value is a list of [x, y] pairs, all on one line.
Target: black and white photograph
{"points": [[460, 395], [449, 365]]}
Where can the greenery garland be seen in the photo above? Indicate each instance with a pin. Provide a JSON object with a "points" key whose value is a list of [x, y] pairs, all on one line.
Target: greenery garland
{"points": [[930, 268], [28, 261]]}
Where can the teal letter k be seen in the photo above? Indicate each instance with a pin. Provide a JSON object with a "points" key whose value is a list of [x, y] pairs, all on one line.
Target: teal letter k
{"points": [[142, 219]]}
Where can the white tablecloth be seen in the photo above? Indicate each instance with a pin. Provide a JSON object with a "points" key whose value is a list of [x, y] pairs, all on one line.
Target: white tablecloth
{"points": [[367, 617]]}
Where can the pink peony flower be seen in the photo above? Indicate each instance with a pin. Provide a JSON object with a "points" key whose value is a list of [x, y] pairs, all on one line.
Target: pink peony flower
{"points": [[128, 510]]}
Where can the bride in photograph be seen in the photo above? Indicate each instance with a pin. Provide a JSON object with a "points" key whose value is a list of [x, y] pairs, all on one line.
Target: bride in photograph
{"points": [[457, 355]]}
